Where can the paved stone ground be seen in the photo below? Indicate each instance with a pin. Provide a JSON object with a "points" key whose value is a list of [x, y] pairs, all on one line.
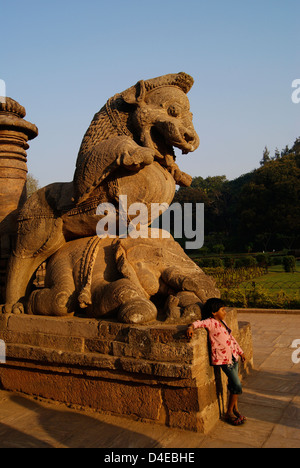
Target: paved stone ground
{"points": [[271, 401]]}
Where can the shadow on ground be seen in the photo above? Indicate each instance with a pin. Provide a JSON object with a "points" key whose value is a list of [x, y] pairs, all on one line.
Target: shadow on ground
{"points": [[53, 427], [272, 397]]}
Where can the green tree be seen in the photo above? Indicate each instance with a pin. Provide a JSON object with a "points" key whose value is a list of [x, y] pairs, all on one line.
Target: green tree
{"points": [[260, 208], [277, 154], [270, 203], [289, 263], [32, 185], [266, 157], [209, 191]]}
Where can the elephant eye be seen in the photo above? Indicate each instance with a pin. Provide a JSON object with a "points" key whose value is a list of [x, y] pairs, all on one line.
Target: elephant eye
{"points": [[174, 110]]}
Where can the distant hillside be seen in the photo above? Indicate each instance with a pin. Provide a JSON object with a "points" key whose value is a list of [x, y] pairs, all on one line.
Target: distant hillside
{"points": [[259, 210]]}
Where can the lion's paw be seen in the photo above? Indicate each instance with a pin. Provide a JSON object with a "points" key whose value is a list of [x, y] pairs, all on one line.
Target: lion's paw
{"points": [[137, 157]]}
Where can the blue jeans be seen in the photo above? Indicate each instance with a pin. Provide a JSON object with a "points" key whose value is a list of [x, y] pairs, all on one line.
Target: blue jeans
{"points": [[232, 372]]}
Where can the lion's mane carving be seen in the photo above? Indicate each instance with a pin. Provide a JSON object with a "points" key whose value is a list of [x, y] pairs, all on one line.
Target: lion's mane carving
{"points": [[113, 119], [118, 119]]}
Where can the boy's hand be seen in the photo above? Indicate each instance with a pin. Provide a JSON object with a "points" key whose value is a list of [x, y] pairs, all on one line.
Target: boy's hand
{"points": [[190, 332]]}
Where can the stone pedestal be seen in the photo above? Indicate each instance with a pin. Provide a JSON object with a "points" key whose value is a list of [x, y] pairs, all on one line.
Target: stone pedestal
{"points": [[151, 373], [14, 135]]}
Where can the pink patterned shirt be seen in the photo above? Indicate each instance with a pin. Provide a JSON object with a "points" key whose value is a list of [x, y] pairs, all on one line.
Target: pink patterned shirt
{"points": [[223, 344]]}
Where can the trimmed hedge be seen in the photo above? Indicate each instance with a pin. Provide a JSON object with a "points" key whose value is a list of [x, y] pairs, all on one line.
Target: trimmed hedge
{"points": [[289, 263], [260, 298]]}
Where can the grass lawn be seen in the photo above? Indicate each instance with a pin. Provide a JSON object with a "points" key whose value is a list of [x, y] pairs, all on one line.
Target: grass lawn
{"points": [[278, 280]]}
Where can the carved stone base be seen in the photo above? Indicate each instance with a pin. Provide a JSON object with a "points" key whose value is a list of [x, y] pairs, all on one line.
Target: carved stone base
{"points": [[151, 373]]}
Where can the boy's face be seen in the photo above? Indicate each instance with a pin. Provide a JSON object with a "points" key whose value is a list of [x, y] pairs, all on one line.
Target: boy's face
{"points": [[221, 314]]}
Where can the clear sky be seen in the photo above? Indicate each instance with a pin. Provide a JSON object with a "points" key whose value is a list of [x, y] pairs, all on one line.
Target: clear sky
{"points": [[63, 59]]}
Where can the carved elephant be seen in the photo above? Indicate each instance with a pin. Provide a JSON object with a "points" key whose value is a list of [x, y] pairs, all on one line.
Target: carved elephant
{"points": [[124, 278]]}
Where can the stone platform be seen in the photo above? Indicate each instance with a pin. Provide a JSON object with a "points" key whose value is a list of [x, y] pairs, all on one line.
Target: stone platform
{"points": [[149, 373]]}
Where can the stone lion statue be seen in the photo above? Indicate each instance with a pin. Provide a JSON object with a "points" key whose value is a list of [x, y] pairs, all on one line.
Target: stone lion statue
{"points": [[128, 149]]}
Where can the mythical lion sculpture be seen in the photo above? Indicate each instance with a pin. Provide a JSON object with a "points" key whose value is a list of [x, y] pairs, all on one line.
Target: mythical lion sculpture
{"points": [[128, 149]]}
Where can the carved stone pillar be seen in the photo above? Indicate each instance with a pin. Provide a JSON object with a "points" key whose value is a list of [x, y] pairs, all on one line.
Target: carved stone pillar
{"points": [[14, 135]]}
